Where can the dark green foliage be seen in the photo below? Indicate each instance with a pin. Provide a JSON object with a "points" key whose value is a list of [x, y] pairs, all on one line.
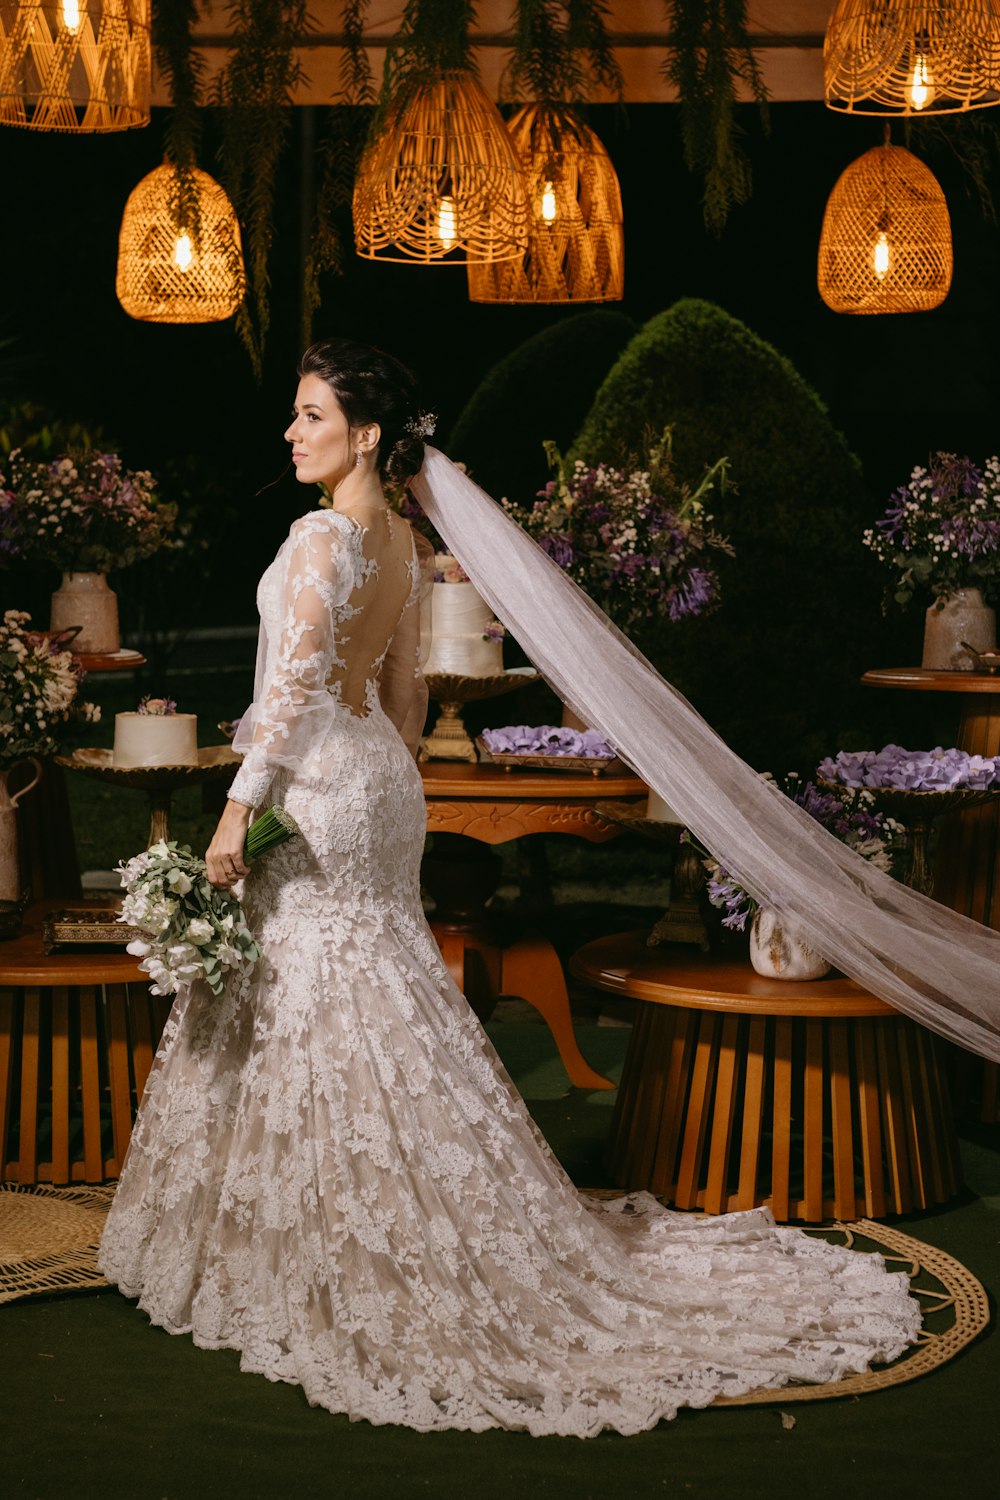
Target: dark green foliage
{"points": [[540, 391], [710, 61], [776, 670], [255, 91], [182, 68], [560, 52]]}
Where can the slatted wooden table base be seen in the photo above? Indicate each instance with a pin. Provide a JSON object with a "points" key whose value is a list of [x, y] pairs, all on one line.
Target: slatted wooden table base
{"points": [[78, 1033], [815, 1099]]}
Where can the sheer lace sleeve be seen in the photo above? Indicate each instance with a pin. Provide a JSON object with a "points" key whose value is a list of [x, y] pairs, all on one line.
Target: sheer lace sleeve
{"points": [[297, 670], [402, 690]]}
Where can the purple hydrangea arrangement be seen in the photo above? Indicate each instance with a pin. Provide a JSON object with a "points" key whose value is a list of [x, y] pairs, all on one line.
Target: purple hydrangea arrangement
{"points": [[547, 739], [912, 770], [941, 532], [80, 511], [639, 542], [847, 812]]}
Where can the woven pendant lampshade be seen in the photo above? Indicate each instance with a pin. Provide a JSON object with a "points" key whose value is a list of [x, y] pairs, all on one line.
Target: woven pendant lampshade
{"points": [[80, 65], [169, 275], [885, 246], [442, 183], [912, 57], [576, 252]]}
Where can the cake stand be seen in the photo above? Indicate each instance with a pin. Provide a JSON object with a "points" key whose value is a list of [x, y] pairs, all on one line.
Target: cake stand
{"points": [[918, 811], [215, 763], [450, 739], [682, 922]]}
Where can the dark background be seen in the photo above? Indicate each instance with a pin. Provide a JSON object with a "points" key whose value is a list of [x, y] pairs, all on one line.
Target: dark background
{"points": [[898, 387]]}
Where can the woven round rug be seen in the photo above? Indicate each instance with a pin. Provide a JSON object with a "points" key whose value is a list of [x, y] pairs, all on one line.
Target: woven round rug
{"points": [[49, 1237]]}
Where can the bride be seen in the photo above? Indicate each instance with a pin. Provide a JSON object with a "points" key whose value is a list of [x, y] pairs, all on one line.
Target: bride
{"points": [[331, 1171]]}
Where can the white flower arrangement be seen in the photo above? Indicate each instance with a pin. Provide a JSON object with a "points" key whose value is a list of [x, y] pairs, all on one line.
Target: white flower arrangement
{"points": [[39, 684], [190, 928]]}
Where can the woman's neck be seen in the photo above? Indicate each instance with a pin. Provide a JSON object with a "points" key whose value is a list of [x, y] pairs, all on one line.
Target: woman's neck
{"points": [[359, 490]]}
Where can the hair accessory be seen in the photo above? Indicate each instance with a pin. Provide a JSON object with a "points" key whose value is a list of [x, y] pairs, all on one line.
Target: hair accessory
{"points": [[422, 425]]}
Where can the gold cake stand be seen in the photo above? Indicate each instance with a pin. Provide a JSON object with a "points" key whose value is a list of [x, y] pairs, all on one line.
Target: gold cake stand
{"points": [[215, 763], [450, 738], [682, 922]]}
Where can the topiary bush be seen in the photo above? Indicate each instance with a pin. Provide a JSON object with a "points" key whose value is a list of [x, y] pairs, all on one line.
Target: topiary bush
{"points": [[777, 669], [543, 389]]}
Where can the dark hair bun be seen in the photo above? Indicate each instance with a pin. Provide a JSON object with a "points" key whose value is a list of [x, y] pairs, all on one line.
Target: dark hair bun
{"points": [[371, 386]]}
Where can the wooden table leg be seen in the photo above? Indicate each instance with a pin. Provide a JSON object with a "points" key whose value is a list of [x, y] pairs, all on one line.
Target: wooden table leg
{"points": [[530, 968]]}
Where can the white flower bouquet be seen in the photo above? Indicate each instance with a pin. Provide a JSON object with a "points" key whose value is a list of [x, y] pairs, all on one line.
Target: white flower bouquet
{"points": [[190, 928]]}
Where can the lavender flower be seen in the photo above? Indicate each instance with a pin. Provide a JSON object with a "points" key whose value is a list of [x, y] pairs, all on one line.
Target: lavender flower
{"points": [[639, 542]]}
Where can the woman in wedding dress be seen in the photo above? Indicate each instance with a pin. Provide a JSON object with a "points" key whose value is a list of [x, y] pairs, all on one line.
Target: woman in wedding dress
{"points": [[331, 1171]]}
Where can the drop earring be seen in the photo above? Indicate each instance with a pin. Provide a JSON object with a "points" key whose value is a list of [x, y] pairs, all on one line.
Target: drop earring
{"points": [[358, 460]]}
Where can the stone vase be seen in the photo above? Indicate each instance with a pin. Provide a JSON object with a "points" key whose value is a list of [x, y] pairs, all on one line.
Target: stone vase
{"points": [[950, 622], [85, 599], [10, 862], [779, 951]]}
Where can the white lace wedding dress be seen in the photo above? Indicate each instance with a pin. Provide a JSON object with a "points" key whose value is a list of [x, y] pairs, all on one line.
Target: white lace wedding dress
{"points": [[331, 1171]]}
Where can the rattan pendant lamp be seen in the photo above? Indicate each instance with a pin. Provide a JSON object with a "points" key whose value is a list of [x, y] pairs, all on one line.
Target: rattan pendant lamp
{"points": [[75, 65], [885, 245], [912, 56], [576, 249], [179, 266], [440, 183]]}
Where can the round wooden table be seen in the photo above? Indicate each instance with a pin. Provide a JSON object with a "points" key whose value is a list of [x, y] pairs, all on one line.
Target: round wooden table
{"points": [[493, 805], [814, 1098], [78, 1032], [967, 866]]}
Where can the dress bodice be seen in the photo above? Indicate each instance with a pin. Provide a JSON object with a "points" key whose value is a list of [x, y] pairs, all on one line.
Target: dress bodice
{"points": [[336, 638]]}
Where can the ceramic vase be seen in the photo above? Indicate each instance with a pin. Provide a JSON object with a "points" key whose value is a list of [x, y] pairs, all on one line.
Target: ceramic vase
{"points": [[10, 862], [779, 951], [963, 618], [84, 599]]}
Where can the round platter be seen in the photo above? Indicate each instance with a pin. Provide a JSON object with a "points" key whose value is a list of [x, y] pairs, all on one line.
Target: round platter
{"points": [[454, 687], [915, 806], [632, 816], [214, 761]]}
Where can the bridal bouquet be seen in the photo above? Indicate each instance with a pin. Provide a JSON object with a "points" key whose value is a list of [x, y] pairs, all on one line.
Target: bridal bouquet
{"points": [[80, 511], [39, 684], [847, 813], [190, 928], [941, 531], [640, 543]]}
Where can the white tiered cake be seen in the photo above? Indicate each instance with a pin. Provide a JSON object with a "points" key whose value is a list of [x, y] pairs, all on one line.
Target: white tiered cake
{"points": [[459, 623], [156, 739]]}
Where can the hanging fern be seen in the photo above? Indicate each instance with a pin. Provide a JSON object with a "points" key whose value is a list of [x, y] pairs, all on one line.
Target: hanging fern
{"points": [[255, 91], [433, 38], [710, 56], [972, 140], [182, 68], [561, 51], [346, 126]]}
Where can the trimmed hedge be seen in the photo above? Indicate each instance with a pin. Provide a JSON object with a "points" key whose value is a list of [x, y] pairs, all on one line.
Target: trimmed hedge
{"points": [[776, 669], [541, 390]]}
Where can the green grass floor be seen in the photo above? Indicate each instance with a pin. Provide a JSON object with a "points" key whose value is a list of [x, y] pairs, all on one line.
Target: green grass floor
{"points": [[96, 1403]]}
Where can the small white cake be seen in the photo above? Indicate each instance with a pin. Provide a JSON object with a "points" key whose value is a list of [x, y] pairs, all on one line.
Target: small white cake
{"points": [[658, 811], [459, 643], [156, 740]]}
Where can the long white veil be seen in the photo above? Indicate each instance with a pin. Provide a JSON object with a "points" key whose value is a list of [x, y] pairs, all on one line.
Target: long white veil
{"points": [[931, 963]]}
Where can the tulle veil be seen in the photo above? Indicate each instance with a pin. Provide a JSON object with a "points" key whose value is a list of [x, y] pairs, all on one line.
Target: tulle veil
{"points": [[933, 964]]}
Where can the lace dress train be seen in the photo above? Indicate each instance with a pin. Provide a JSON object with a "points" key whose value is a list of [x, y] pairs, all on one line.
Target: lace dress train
{"points": [[332, 1173]]}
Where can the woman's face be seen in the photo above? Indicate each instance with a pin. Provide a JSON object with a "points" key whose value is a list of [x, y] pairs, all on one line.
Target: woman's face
{"points": [[320, 435]]}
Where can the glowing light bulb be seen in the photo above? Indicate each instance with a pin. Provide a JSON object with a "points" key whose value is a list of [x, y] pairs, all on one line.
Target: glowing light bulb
{"points": [[183, 253], [71, 15], [447, 232], [881, 256], [920, 85], [549, 203]]}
